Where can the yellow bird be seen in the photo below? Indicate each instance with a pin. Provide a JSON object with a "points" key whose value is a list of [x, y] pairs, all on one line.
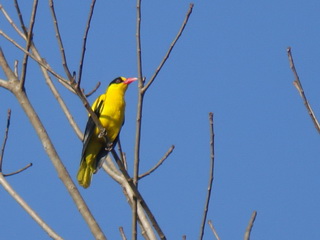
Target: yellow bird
{"points": [[109, 108]]}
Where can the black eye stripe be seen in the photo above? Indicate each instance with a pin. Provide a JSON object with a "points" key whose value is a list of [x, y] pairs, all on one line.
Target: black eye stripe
{"points": [[116, 81]]}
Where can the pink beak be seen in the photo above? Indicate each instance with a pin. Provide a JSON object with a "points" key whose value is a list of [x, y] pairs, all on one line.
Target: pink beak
{"points": [[130, 80]]}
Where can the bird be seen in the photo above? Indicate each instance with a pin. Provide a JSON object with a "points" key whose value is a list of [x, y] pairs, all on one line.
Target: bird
{"points": [[110, 109]]}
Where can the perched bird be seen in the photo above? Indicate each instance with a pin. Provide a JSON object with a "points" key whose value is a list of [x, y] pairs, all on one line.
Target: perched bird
{"points": [[109, 108]]}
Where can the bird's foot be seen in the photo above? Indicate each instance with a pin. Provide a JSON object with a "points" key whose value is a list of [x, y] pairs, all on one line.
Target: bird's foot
{"points": [[109, 146]]}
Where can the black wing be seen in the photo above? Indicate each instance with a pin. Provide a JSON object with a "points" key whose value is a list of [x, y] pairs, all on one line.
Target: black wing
{"points": [[90, 124]]}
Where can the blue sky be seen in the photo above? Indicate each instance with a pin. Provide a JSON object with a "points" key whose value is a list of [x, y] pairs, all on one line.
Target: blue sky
{"points": [[231, 60]]}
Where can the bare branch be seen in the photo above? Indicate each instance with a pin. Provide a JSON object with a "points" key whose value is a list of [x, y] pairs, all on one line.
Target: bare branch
{"points": [[5, 138], [20, 17], [139, 116], [167, 154], [18, 171], [213, 230], [250, 225], [170, 48], [39, 60], [58, 36], [93, 90], [50, 150], [28, 209], [6, 68], [29, 36], [85, 42], [211, 176], [36, 55], [112, 170], [123, 236], [299, 87], [138, 195]]}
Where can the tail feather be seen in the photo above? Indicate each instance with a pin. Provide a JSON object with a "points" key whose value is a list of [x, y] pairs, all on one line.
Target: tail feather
{"points": [[85, 174]]}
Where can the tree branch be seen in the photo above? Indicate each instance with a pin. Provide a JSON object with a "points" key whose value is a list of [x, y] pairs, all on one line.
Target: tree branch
{"points": [[211, 176], [29, 36], [18, 171], [299, 87], [85, 41], [167, 154], [138, 196], [250, 225], [139, 117], [123, 236], [28, 209], [58, 36], [50, 150], [213, 230], [170, 48], [5, 138]]}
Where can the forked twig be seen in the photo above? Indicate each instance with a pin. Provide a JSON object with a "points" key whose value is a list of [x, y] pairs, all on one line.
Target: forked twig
{"points": [[211, 176], [213, 230], [167, 154], [250, 225], [40, 62], [5, 138], [29, 36], [299, 87]]}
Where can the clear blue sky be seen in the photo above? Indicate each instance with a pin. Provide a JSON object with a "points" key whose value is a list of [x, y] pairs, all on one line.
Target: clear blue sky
{"points": [[231, 60]]}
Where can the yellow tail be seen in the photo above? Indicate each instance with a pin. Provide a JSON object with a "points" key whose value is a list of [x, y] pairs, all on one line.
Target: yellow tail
{"points": [[85, 174]]}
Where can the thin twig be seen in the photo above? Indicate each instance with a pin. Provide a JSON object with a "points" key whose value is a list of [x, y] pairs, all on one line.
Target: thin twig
{"points": [[167, 154], [213, 230], [35, 57], [63, 81], [18, 171], [20, 17], [121, 153], [5, 138], [58, 36], [211, 176], [123, 236], [44, 67], [299, 87], [85, 42], [170, 48], [29, 36], [93, 90], [139, 118], [250, 225], [28, 209]]}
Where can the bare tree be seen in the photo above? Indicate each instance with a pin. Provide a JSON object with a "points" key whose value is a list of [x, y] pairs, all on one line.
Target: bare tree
{"points": [[15, 82]]}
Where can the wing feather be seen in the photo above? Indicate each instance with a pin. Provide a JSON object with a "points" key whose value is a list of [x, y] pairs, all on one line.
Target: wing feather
{"points": [[97, 107]]}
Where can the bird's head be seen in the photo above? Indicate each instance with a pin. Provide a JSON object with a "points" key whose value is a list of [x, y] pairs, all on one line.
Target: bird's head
{"points": [[121, 83]]}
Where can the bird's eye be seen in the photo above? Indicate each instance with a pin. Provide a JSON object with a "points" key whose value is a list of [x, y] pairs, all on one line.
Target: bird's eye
{"points": [[116, 81]]}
